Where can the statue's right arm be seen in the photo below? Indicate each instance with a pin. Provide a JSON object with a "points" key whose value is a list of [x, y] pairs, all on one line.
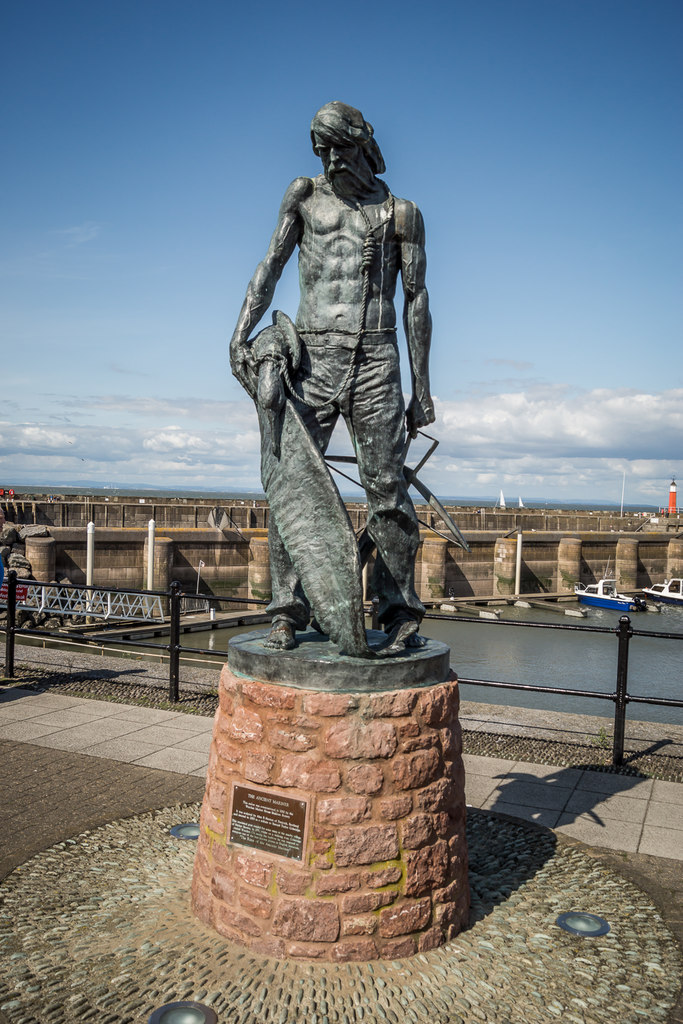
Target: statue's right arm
{"points": [[261, 288]]}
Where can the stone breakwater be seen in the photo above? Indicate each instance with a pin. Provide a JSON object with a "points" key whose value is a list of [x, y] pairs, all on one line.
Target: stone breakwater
{"points": [[383, 871]]}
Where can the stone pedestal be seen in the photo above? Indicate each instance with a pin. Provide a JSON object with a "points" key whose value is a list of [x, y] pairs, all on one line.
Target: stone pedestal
{"points": [[333, 823]]}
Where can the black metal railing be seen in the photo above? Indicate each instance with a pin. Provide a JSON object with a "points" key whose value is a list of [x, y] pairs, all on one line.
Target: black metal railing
{"points": [[620, 697]]}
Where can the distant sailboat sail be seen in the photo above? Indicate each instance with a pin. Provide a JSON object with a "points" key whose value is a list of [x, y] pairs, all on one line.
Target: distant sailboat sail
{"points": [[501, 500], [521, 503]]}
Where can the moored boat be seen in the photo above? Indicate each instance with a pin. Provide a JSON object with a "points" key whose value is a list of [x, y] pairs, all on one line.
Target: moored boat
{"points": [[669, 592], [604, 594]]}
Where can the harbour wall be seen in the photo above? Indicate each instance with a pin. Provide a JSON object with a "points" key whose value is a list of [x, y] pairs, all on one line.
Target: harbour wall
{"points": [[236, 562], [120, 512]]}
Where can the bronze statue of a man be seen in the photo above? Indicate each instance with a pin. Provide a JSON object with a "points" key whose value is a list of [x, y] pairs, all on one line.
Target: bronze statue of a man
{"points": [[354, 240]]}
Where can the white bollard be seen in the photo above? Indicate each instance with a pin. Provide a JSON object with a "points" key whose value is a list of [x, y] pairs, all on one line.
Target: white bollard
{"points": [[151, 528], [90, 554], [518, 564]]}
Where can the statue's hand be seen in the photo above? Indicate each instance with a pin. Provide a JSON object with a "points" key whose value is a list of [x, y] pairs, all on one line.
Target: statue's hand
{"points": [[241, 365], [420, 413]]}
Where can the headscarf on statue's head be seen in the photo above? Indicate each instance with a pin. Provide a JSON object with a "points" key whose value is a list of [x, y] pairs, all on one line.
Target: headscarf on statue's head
{"points": [[339, 124]]}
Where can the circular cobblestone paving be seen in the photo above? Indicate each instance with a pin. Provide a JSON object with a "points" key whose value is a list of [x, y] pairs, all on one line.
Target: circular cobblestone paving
{"points": [[98, 929]]}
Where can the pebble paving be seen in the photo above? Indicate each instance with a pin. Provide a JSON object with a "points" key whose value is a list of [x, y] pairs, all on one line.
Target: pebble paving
{"points": [[98, 928]]}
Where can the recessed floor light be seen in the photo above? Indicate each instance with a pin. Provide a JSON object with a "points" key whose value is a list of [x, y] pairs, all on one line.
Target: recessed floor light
{"points": [[578, 923], [190, 830], [184, 1012]]}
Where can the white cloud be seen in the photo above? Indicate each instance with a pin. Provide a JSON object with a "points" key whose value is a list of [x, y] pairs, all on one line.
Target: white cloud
{"points": [[80, 233], [551, 443]]}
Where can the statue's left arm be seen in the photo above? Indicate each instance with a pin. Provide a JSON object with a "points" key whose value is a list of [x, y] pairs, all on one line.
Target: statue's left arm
{"points": [[417, 321]]}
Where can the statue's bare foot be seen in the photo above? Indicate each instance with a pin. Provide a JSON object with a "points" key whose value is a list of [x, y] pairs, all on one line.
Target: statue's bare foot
{"points": [[281, 637], [403, 634], [415, 640]]}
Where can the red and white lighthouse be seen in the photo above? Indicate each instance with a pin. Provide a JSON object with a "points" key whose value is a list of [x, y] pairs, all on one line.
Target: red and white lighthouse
{"points": [[673, 504]]}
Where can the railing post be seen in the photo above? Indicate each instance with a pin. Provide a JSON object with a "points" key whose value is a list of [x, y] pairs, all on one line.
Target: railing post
{"points": [[11, 622], [374, 622], [174, 643], [624, 633]]}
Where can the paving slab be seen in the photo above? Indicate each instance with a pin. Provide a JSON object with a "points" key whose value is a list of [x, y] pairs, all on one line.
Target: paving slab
{"points": [[539, 815], [623, 808], [662, 842], [491, 766], [665, 815], [83, 736], [610, 833], [625, 785], [174, 760], [529, 794], [478, 788], [121, 748]]}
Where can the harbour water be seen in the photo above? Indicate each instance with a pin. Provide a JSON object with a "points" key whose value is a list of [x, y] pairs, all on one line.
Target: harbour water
{"points": [[567, 658]]}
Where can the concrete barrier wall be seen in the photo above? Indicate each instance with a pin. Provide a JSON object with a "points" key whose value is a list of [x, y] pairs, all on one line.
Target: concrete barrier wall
{"points": [[236, 562]]}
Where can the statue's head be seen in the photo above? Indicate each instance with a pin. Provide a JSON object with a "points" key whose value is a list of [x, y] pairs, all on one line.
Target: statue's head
{"points": [[345, 143]]}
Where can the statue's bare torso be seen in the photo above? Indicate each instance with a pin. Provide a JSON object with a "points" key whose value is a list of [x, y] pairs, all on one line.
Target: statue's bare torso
{"points": [[333, 233]]}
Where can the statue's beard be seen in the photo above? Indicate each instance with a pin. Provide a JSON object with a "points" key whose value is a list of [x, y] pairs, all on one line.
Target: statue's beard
{"points": [[352, 181]]}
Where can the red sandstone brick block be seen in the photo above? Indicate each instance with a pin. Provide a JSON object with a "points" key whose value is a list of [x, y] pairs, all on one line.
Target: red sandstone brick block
{"points": [[253, 870], [365, 902], [417, 831], [234, 925], [307, 950], [354, 949], [385, 876], [394, 807], [294, 883], [366, 844], [259, 766], [407, 729], [306, 921], [329, 705], [224, 887], [392, 705], [438, 705], [268, 946], [365, 778], [409, 916], [290, 739], [268, 696], [226, 704], [202, 902], [430, 939], [208, 820], [256, 904], [321, 845], [355, 739], [329, 885], [359, 925], [227, 751], [423, 742], [347, 810], [229, 682], [438, 796], [396, 949], [426, 869], [411, 771], [221, 856], [306, 772], [451, 741], [245, 726], [217, 795]]}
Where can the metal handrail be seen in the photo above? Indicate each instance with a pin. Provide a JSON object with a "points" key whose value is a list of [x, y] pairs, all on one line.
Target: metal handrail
{"points": [[620, 697]]}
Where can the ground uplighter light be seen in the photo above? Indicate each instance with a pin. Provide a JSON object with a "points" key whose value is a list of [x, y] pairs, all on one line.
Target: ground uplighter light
{"points": [[190, 830], [578, 923], [184, 1012]]}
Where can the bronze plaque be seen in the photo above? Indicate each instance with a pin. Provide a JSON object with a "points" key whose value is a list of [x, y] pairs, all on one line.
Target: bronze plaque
{"points": [[268, 821]]}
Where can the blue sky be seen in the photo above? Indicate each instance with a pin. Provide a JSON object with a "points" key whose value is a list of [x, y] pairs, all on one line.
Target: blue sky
{"points": [[147, 145]]}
